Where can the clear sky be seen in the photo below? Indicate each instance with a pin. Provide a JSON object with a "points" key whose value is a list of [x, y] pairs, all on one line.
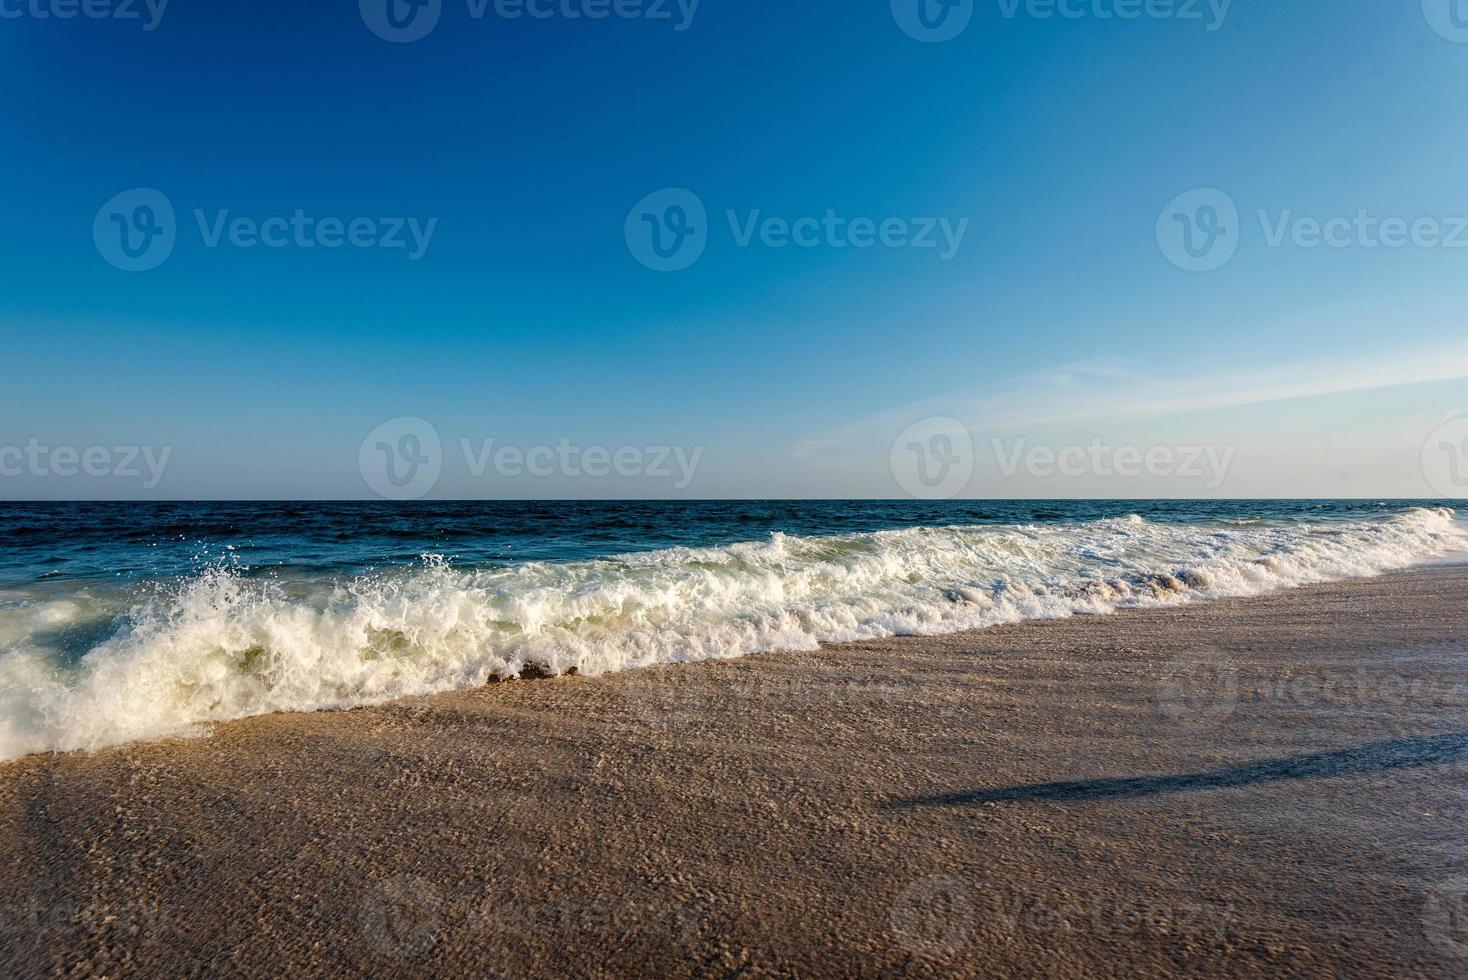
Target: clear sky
{"points": [[1061, 167]]}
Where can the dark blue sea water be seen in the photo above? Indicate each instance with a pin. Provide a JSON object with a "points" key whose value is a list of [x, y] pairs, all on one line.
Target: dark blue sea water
{"points": [[42, 541]]}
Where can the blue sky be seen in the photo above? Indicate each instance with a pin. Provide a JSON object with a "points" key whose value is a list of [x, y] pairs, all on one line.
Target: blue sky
{"points": [[1062, 317]]}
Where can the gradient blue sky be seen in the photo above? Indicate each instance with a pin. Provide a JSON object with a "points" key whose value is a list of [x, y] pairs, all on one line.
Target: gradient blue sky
{"points": [[529, 321]]}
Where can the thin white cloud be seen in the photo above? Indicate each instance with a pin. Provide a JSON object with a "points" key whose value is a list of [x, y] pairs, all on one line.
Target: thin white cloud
{"points": [[1121, 389]]}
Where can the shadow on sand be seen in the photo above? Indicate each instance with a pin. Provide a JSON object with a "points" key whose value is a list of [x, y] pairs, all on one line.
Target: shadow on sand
{"points": [[1401, 753]]}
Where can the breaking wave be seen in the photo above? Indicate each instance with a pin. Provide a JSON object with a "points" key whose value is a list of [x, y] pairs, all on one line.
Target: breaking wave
{"points": [[85, 669]]}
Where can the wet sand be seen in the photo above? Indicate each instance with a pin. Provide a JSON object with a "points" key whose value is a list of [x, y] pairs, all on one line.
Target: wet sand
{"points": [[1272, 786]]}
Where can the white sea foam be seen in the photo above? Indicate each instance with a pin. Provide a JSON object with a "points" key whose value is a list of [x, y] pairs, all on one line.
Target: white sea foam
{"points": [[223, 646]]}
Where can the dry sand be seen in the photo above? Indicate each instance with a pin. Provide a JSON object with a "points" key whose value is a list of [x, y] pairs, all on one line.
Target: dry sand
{"points": [[1270, 786]]}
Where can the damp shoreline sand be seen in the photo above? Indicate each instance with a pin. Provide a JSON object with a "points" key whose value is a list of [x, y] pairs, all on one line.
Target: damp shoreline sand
{"points": [[1274, 785]]}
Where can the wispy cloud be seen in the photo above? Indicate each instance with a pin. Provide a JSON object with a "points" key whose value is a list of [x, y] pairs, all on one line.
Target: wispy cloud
{"points": [[1114, 389]]}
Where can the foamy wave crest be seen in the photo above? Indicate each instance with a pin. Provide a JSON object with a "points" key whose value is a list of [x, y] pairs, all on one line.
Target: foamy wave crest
{"points": [[223, 646]]}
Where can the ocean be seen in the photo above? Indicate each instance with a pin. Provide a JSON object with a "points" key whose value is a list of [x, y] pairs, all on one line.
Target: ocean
{"points": [[123, 621]]}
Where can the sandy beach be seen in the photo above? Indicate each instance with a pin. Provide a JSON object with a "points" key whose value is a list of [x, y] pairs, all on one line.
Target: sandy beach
{"points": [[1270, 786]]}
